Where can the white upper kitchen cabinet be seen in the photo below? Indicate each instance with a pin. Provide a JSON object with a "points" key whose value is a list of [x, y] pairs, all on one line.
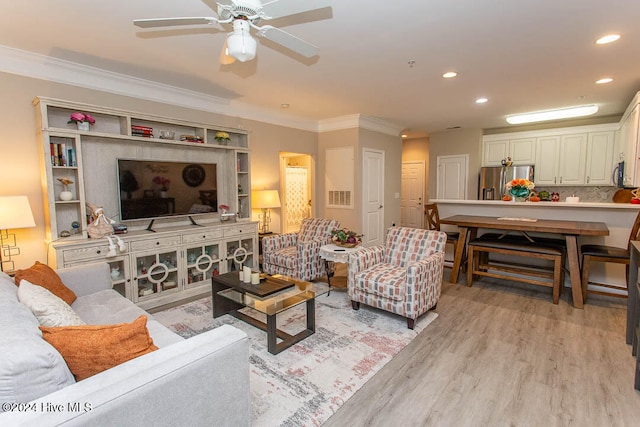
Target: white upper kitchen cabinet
{"points": [[629, 141], [522, 151], [600, 146], [547, 159], [573, 159], [561, 160]]}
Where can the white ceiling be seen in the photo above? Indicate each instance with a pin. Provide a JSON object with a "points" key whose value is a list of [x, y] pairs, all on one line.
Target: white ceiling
{"points": [[522, 55]]}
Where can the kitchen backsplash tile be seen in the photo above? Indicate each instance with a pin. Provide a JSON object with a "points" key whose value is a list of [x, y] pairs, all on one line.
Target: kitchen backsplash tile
{"points": [[586, 194]]}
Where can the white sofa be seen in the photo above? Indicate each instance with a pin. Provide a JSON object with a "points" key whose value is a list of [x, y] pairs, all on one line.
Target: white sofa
{"points": [[203, 380]]}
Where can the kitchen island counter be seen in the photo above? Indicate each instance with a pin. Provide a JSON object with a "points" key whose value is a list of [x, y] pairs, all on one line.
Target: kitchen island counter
{"points": [[552, 205]]}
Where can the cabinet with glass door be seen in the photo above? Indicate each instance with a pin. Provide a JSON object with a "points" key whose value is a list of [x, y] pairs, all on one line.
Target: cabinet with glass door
{"points": [[203, 262], [240, 252], [155, 273], [120, 279]]}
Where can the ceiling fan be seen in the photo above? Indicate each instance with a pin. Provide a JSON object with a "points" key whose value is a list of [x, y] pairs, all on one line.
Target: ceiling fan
{"points": [[244, 15]]}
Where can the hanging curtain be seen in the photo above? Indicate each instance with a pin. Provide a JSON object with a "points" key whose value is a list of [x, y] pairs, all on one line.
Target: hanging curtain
{"points": [[297, 197]]}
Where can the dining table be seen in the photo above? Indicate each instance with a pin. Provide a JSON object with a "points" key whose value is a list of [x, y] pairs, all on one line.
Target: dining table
{"points": [[470, 224]]}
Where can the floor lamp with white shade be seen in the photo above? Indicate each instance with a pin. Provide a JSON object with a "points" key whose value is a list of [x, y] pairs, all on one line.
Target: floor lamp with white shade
{"points": [[15, 212]]}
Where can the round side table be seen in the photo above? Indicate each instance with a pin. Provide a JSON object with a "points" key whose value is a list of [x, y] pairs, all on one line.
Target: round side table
{"points": [[335, 253]]}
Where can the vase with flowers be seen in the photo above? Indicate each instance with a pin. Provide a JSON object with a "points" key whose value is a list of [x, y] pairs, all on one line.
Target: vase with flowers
{"points": [[163, 182], [82, 120], [222, 138], [345, 238], [520, 188]]}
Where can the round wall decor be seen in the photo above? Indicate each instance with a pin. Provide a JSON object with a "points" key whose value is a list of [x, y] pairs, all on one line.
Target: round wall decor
{"points": [[193, 175]]}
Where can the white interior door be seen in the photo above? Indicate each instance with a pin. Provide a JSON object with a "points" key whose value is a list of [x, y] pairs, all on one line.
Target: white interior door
{"points": [[372, 197], [452, 176], [412, 194]]}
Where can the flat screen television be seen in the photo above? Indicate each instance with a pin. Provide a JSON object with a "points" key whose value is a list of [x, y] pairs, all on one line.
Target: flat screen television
{"points": [[155, 189]]}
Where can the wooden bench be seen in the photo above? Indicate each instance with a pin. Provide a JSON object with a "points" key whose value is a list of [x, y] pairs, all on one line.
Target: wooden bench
{"points": [[554, 250]]}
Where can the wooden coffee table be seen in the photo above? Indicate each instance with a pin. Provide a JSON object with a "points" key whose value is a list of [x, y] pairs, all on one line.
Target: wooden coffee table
{"points": [[271, 296]]}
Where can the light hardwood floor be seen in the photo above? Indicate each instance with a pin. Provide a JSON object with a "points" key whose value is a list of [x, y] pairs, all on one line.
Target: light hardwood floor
{"points": [[504, 355]]}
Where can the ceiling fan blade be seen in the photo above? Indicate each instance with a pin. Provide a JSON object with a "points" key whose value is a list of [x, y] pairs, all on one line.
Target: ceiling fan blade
{"points": [[278, 8], [225, 58], [288, 40], [170, 22]]}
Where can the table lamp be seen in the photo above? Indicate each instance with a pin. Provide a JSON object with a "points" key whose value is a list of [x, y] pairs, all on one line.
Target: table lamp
{"points": [[15, 212], [265, 200]]}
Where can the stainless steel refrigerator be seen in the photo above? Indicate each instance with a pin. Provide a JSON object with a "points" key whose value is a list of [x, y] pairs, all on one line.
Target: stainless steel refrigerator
{"points": [[493, 179]]}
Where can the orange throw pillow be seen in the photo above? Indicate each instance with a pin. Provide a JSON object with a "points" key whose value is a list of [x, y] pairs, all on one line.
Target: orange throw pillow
{"points": [[43, 275], [89, 350]]}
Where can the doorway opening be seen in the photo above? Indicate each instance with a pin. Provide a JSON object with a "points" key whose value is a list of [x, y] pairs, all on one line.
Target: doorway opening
{"points": [[296, 188]]}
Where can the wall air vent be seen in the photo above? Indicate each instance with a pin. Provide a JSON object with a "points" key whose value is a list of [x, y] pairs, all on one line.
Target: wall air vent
{"points": [[339, 198]]}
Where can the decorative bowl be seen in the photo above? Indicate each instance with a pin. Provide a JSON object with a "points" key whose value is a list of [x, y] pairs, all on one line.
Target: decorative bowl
{"points": [[167, 134], [346, 245]]}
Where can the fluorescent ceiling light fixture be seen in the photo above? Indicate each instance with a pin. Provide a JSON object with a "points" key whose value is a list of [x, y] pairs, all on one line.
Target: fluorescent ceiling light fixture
{"points": [[481, 100], [609, 38], [561, 113], [449, 74], [604, 80]]}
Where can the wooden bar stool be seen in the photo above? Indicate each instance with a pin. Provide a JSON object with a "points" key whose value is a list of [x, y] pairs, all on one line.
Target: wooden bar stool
{"points": [[604, 253], [432, 222]]}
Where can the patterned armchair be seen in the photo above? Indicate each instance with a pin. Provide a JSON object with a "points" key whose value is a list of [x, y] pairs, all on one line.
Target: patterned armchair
{"points": [[298, 254], [403, 276]]}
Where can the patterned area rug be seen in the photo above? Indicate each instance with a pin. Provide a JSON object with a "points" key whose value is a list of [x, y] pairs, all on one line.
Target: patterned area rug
{"points": [[305, 384]]}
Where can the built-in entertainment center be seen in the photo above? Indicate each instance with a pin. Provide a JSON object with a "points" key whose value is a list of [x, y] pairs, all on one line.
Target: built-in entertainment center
{"points": [[165, 179]]}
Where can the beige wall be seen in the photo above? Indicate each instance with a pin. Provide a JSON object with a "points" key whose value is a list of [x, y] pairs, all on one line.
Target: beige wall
{"points": [[359, 139], [20, 172], [335, 139], [459, 141]]}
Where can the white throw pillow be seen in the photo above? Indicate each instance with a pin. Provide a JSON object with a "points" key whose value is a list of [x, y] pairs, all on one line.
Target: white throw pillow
{"points": [[48, 308]]}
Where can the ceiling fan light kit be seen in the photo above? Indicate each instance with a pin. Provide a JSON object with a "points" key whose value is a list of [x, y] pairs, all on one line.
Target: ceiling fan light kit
{"points": [[240, 44], [245, 15]]}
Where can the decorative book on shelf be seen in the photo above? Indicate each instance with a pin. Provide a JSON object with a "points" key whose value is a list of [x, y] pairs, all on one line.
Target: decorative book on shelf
{"points": [[61, 155], [143, 131]]}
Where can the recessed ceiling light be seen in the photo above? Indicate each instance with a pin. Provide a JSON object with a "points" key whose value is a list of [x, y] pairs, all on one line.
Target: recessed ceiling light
{"points": [[284, 105], [608, 38], [481, 100], [404, 135], [604, 80], [561, 113], [449, 74]]}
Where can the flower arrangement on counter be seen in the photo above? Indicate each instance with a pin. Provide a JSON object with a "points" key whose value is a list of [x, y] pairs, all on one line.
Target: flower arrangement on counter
{"points": [[222, 137], [345, 237], [519, 188], [520, 183], [79, 117], [162, 182]]}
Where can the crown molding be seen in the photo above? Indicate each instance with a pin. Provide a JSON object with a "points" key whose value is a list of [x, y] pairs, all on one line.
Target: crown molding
{"points": [[37, 66], [359, 121], [29, 64]]}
